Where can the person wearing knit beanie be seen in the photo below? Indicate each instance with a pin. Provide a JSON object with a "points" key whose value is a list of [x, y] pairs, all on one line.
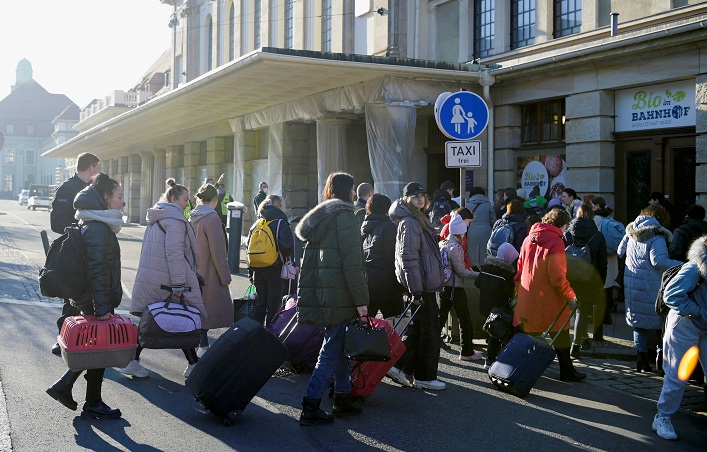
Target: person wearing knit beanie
{"points": [[507, 253], [457, 225]]}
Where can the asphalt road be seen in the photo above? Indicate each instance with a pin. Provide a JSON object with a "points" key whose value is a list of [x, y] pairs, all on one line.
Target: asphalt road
{"points": [[159, 413]]}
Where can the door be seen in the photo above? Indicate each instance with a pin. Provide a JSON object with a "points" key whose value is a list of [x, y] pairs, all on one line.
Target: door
{"points": [[664, 163]]}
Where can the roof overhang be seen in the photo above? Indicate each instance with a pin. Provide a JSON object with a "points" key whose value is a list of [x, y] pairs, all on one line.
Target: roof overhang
{"points": [[256, 81]]}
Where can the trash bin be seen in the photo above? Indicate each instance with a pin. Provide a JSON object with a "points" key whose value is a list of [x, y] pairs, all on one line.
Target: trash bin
{"points": [[234, 225]]}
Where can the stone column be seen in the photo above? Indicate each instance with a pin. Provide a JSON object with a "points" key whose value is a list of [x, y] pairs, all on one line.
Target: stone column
{"points": [[215, 157], [701, 140], [159, 174], [174, 159], [147, 167], [295, 168], [275, 168], [192, 153], [506, 139], [591, 156], [239, 182], [133, 177], [331, 149]]}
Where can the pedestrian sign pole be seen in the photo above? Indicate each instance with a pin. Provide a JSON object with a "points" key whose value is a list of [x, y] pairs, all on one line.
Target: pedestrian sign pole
{"points": [[462, 116]]}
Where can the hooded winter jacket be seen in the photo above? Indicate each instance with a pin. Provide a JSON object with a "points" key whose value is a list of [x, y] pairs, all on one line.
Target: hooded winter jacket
{"points": [[280, 230], [684, 235], [680, 293], [645, 246], [102, 254], [455, 256], [378, 233], [480, 228], [542, 272], [167, 259], [418, 262], [212, 265], [332, 279]]}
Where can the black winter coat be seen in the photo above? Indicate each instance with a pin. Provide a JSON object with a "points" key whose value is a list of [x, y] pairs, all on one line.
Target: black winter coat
{"points": [[582, 231], [495, 283], [684, 235], [102, 254], [63, 211], [378, 233]]}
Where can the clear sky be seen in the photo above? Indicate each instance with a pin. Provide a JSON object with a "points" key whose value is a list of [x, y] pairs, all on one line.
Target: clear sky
{"points": [[82, 48]]}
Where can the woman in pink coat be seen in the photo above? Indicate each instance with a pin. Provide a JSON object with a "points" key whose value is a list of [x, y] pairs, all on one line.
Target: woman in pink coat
{"points": [[544, 289], [212, 264]]}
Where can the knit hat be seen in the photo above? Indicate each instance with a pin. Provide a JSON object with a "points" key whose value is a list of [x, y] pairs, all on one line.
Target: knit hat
{"points": [[554, 202], [507, 253], [457, 225]]}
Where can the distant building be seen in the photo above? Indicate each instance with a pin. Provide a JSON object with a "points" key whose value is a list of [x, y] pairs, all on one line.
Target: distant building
{"points": [[32, 121]]}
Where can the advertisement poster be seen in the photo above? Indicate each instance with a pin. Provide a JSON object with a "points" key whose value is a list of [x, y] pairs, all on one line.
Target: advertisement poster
{"points": [[545, 171]]}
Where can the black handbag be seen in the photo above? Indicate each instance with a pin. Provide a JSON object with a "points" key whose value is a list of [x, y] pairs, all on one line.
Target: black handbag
{"points": [[499, 324], [364, 342]]}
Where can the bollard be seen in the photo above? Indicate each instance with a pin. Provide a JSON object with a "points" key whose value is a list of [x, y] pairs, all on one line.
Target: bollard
{"points": [[236, 210]]}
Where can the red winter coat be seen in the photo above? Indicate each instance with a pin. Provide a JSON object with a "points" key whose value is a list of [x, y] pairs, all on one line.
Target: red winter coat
{"points": [[542, 270], [444, 233]]}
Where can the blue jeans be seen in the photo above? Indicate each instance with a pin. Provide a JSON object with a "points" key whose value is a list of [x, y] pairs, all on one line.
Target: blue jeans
{"points": [[331, 360], [647, 339]]}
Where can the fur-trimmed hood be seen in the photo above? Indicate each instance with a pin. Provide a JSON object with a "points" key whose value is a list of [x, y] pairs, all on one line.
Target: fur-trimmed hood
{"points": [[496, 262], [645, 228], [320, 214], [698, 255]]}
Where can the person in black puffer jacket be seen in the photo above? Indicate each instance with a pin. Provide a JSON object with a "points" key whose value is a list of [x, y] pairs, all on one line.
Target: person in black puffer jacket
{"points": [[590, 294], [378, 233], [690, 230], [99, 211]]}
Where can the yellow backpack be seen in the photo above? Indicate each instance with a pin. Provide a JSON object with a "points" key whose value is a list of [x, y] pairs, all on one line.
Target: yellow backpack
{"points": [[262, 246]]}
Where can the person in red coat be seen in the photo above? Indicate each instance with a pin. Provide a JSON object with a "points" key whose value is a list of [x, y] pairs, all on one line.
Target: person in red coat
{"points": [[543, 287]]}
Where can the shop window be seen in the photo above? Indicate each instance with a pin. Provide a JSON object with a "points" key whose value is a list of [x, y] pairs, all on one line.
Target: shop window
{"points": [[568, 17], [8, 183], [10, 157], [522, 23], [484, 24], [543, 122], [29, 157]]}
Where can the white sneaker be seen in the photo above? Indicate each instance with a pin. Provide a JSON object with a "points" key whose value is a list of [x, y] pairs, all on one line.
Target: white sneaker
{"points": [[399, 377], [433, 385], [134, 369], [663, 427], [200, 351], [188, 370]]}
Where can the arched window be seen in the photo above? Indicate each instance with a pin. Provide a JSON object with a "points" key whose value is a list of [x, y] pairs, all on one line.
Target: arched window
{"points": [[244, 27], [326, 25], [209, 44], [232, 32], [257, 13], [289, 16]]}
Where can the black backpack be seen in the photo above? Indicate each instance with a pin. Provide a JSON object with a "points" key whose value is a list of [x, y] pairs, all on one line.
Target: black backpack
{"points": [[660, 307], [439, 209], [64, 271], [579, 261]]}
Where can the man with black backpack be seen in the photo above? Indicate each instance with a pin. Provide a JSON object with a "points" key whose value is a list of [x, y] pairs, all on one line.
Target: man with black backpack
{"points": [[62, 215], [686, 326]]}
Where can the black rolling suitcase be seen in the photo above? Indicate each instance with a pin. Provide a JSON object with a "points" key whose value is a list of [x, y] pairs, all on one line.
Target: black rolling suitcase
{"points": [[236, 366], [525, 358]]}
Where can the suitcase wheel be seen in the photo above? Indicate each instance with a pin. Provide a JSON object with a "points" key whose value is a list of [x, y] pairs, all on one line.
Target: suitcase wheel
{"points": [[231, 417]]}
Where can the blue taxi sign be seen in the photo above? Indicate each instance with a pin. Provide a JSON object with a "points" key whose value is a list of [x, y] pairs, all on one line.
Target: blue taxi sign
{"points": [[462, 115]]}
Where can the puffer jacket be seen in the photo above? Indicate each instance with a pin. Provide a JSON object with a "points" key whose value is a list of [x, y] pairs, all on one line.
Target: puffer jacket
{"points": [[102, 254], [680, 293], [213, 266], [332, 279], [495, 284], [542, 272], [167, 259], [480, 228], [418, 262], [378, 233], [645, 247], [684, 235], [455, 256]]}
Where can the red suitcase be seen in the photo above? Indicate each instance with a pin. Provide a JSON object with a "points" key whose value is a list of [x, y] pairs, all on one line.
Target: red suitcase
{"points": [[367, 375]]}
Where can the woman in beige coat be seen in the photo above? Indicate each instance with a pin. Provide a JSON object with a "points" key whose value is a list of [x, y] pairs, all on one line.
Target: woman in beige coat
{"points": [[168, 258], [212, 264]]}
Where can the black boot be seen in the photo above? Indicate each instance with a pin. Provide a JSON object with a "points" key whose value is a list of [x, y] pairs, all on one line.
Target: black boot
{"points": [[567, 370], [344, 406], [642, 363], [61, 390], [312, 414], [95, 408], [659, 364]]}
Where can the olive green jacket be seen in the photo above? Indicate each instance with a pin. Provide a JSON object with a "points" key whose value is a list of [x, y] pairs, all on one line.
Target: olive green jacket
{"points": [[333, 273]]}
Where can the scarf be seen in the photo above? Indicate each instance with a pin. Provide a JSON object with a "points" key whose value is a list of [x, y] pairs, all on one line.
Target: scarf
{"points": [[112, 217]]}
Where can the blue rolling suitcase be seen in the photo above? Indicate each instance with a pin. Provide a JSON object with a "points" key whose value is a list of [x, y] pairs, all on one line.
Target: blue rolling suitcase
{"points": [[525, 358], [235, 368]]}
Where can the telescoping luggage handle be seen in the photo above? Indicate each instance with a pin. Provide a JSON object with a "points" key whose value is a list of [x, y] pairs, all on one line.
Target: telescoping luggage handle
{"points": [[547, 332], [402, 316]]}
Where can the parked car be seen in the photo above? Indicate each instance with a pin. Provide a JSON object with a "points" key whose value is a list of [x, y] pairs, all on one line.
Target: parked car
{"points": [[40, 196], [23, 197]]}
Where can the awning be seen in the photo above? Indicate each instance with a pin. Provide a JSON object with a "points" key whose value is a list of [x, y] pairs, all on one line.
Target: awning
{"points": [[261, 79]]}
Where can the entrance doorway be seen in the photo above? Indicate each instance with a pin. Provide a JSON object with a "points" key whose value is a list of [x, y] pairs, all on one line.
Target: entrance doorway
{"points": [[646, 163]]}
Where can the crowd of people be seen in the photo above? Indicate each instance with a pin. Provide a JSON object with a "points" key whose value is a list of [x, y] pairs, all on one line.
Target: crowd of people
{"points": [[364, 252]]}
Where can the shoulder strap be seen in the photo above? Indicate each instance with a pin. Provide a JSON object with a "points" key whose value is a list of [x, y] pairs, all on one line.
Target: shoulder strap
{"points": [[161, 227], [474, 209]]}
